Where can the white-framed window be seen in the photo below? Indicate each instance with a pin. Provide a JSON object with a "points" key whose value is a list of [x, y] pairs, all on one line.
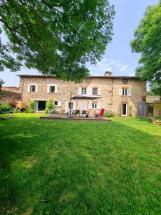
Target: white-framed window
{"points": [[57, 103], [124, 92], [95, 91], [94, 105], [84, 91], [52, 88], [32, 88]]}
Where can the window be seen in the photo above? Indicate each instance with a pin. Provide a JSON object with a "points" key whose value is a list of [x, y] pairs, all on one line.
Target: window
{"points": [[52, 88], [124, 81], [32, 88], [94, 105], [57, 103], [124, 91], [70, 105], [95, 91], [84, 91]]}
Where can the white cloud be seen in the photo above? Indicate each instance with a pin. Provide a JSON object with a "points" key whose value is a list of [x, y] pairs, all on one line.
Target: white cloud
{"points": [[124, 68], [115, 65]]}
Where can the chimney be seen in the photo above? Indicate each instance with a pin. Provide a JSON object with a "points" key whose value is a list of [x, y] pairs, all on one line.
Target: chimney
{"points": [[108, 74]]}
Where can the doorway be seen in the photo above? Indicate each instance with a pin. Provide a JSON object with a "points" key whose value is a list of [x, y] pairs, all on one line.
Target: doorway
{"points": [[41, 105], [124, 109]]}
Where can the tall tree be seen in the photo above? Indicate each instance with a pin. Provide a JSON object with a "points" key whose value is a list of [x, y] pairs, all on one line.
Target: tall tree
{"points": [[56, 37], [147, 42]]}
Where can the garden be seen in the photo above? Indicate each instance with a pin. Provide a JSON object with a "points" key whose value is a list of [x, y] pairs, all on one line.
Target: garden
{"points": [[75, 167]]}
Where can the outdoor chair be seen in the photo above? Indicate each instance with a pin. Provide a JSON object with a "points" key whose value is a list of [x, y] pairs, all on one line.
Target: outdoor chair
{"points": [[101, 113], [84, 113]]}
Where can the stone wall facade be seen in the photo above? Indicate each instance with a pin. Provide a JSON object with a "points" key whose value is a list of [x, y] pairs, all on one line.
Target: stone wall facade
{"points": [[109, 93]]}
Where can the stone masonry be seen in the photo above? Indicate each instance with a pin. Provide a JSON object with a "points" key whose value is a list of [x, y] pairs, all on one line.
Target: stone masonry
{"points": [[109, 91]]}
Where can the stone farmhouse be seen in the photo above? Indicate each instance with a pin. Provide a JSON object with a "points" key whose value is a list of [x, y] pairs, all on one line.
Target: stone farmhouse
{"points": [[121, 95]]}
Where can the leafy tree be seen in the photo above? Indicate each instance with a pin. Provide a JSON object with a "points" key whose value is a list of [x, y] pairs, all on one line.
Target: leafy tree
{"points": [[56, 37], [147, 42], [1, 83]]}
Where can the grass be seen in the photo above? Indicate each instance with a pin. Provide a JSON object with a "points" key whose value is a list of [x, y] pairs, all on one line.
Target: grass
{"points": [[72, 168]]}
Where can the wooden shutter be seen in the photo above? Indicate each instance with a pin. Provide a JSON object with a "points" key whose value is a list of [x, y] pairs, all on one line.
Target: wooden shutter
{"points": [[56, 88], [28, 88], [36, 88], [120, 92], [48, 88], [129, 92], [59, 103]]}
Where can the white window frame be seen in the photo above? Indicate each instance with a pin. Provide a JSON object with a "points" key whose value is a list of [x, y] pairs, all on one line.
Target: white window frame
{"points": [[29, 88], [125, 91], [83, 91], [94, 105], [59, 103], [97, 91], [52, 85]]}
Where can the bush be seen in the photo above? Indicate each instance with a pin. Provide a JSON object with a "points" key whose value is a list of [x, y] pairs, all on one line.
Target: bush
{"points": [[21, 105], [49, 106], [46, 110], [109, 114], [6, 108], [31, 107]]}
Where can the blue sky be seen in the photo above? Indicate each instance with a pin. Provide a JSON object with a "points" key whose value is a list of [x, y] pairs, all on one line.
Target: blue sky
{"points": [[118, 56]]}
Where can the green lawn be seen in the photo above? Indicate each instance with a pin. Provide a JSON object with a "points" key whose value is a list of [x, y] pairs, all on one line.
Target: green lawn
{"points": [[72, 167]]}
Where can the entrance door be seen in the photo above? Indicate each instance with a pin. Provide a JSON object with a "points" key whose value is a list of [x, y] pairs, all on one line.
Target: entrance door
{"points": [[124, 109], [41, 105]]}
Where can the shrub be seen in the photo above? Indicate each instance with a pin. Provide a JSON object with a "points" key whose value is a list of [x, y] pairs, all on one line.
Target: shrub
{"points": [[6, 108], [21, 105], [109, 114], [46, 110], [31, 107], [49, 106]]}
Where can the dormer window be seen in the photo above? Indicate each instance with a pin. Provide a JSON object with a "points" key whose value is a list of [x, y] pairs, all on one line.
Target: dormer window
{"points": [[84, 91], [95, 91]]}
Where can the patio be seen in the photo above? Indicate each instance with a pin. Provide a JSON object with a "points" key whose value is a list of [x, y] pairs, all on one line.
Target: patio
{"points": [[66, 117]]}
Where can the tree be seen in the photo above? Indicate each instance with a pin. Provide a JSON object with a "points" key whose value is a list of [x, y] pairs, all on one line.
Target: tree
{"points": [[147, 42], [1, 83], [56, 37]]}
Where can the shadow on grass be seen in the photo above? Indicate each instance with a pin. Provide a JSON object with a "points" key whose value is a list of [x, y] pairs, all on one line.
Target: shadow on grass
{"points": [[78, 168]]}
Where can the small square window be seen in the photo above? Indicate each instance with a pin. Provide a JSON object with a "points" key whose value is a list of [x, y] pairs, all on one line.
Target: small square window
{"points": [[84, 91], [56, 103], [95, 91], [32, 88], [52, 89]]}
